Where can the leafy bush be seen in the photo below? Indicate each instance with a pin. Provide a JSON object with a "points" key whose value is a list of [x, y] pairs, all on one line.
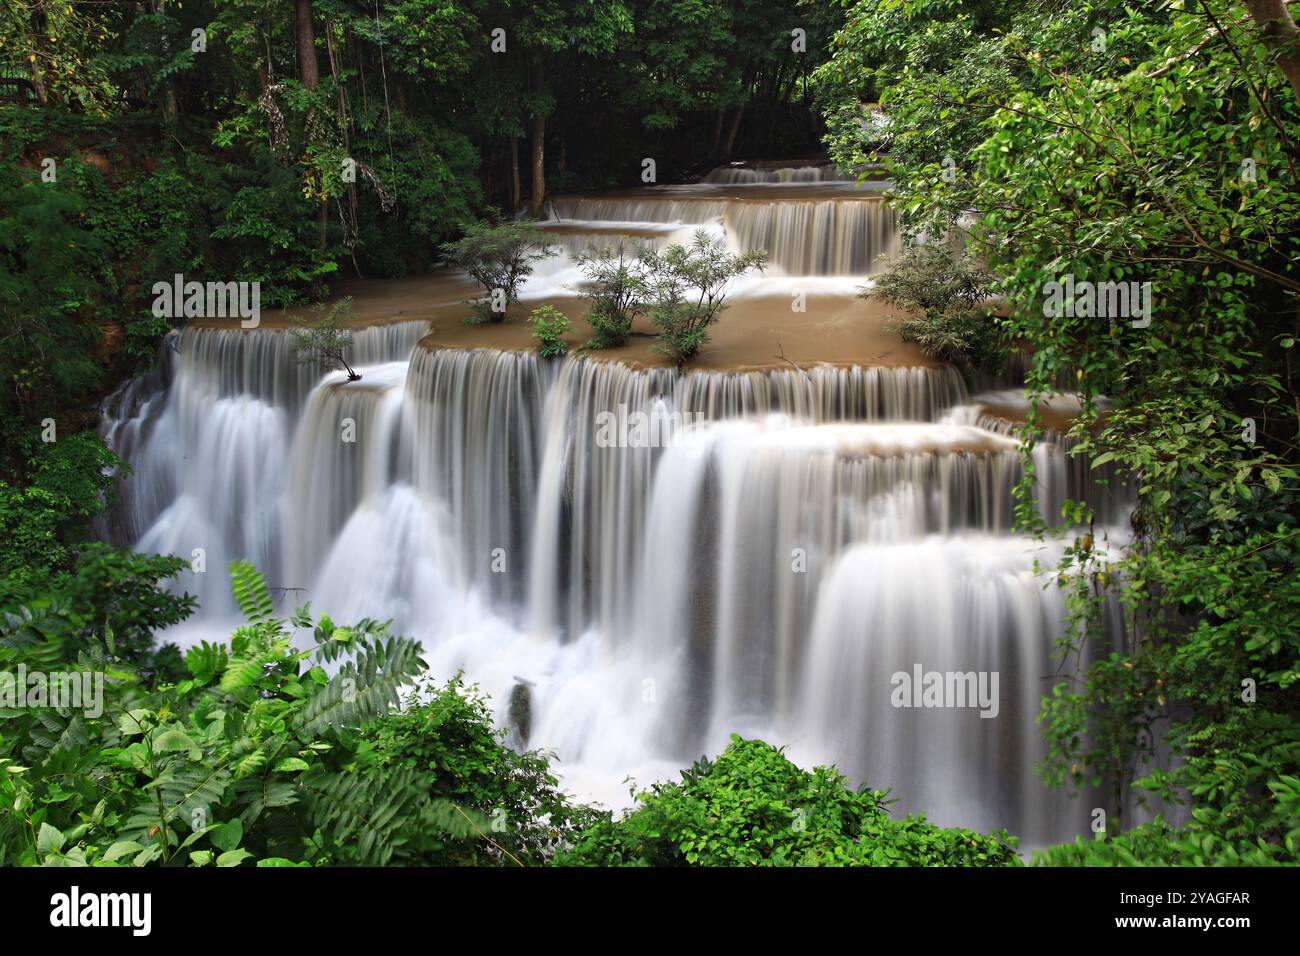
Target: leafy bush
{"points": [[1213, 838], [272, 238], [42, 523], [688, 288], [447, 735], [617, 282], [955, 324], [261, 752], [49, 334], [549, 323], [753, 807], [497, 257], [55, 579], [255, 755]]}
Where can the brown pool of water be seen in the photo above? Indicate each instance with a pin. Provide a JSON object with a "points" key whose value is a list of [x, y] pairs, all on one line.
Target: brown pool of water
{"points": [[754, 332]]}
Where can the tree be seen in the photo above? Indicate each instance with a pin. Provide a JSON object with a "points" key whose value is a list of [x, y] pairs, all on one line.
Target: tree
{"points": [[305, 33], [617, 282], [497, 257], [327, 340], [687, 290], [554, 38], [948, 298]]}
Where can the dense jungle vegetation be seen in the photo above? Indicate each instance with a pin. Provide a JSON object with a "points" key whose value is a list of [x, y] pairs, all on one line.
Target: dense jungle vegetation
{"points": [[1147, 142]]}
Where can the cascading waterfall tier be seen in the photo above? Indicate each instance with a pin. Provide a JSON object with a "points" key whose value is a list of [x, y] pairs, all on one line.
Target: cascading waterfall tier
{"points": [[210, 452], [664, 558], [820, 173], [843, 235]]}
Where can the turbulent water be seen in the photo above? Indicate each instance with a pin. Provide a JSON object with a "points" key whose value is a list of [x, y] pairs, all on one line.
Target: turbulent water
{"points": [[788, 543]]}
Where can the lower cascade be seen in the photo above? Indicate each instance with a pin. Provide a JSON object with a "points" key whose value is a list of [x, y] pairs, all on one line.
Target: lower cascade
{"points": [[791, 548]]}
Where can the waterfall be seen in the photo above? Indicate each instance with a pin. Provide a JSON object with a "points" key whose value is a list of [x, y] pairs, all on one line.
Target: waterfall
{"points": [[844, 235], [832, 237], [731, 175], [665, 558]]}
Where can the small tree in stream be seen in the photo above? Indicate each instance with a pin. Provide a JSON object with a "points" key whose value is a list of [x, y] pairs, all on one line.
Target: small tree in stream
{"points": [[688, 288], [497, 257], [617, 284], [948, 295], [326, 341]]}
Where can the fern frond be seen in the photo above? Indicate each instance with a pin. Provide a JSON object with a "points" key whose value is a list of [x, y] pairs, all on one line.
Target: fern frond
{"points": [[376, 816], [184, 788], [251, 591], [364, 687], [56, 730], [243, 672], [255, 795], [204, 661]]}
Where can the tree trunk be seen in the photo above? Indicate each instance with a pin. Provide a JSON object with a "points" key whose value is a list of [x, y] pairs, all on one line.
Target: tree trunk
{"points": [[309, 71], [732, 130], [539, 166], [514, 174], [38, 29], [716, 148], [38, 81], [1281, 35], [306, 34], [170, 101]]}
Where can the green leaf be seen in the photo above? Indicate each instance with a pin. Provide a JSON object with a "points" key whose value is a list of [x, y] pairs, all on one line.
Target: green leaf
{"points": [[175, 740], [121, 849], [134, 721], [49, 840], [227, 836]]}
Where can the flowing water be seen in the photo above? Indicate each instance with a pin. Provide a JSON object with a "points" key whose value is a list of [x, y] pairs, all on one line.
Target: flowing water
{"points": [[766, 559]]}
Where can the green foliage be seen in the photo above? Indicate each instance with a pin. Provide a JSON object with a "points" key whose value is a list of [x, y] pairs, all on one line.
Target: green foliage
{"points": [[549, 324], [48, 335], [447, 735], [497, 257], [617, 282], [1156, 151], [753, 807], [1213, 838], [264, 753], [235, 762], [325, 342], [42, 524], [950, 294], [687, 290], [57, 580]]}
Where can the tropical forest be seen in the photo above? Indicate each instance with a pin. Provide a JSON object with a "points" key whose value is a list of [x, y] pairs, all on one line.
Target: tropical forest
{"points": [[649, 433]]}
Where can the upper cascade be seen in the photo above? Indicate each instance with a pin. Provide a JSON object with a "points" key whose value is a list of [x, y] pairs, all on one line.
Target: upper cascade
{"points": [[811, 220], [735, 173]]}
